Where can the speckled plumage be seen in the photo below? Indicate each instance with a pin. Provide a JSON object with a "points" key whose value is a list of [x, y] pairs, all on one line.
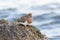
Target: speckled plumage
{"points": [[27, 19]]}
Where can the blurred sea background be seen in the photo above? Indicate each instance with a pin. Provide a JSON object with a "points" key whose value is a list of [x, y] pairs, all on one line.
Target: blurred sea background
{"points": [[46, 14]]}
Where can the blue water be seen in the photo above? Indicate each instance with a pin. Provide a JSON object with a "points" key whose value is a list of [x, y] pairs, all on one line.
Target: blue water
{"points": [[48, 21]]}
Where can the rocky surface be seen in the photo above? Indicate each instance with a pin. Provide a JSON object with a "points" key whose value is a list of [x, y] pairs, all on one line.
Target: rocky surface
{"points": [[14, 31]]}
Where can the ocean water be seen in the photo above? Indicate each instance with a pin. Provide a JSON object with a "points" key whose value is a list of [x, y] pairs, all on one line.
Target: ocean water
{"points": [[46, 18]]}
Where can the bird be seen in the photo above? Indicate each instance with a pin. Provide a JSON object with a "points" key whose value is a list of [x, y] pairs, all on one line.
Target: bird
{"points": [[29, 18], [26, 20]]}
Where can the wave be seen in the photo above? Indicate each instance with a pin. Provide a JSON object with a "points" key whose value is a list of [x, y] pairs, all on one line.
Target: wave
{"points": [[10, 14]]}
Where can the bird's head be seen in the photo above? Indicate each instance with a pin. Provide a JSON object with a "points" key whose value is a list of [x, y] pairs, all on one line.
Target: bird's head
{"points": [[30, 14]]}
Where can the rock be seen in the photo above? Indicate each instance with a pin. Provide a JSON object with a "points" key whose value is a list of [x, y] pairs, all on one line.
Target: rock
{"points": [[20, 32], [14, 31]]}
